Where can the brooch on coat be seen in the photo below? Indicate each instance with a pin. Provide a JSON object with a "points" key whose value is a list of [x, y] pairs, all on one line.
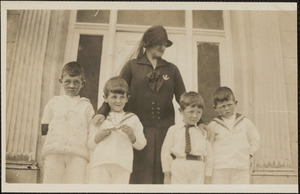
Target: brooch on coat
{"points": [[166, 77]]}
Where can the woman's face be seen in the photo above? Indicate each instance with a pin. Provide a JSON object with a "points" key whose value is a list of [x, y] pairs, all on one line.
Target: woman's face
{"points": [[157, 50]]}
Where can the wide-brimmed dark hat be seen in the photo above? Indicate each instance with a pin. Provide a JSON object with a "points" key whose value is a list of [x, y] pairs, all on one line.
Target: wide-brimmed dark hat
{"points": [[156, 35]]}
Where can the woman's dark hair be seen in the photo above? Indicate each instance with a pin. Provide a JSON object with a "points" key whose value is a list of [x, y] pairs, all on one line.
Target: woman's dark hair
{"points": [[154, 35]]}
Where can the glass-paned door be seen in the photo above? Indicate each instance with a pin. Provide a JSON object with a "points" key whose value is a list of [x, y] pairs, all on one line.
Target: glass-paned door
{"points": [[89, 55], [208, 75]]}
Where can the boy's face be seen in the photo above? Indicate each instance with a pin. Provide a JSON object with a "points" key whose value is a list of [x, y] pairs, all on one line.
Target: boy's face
{"points": [[191, 115], [71, 85], [116, 101], [227, 108]]}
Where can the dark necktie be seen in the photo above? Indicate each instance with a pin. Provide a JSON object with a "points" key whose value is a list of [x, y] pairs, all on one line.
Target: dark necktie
{"points": [[187, 139]]}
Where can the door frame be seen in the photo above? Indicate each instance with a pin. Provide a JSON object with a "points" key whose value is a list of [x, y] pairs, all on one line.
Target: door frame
{"points": [[226, 68], [109, 30], [75, 30]]}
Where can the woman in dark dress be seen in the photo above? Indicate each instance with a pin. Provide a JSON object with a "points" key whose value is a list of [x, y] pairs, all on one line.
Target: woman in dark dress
{"points": [[153, 82]]}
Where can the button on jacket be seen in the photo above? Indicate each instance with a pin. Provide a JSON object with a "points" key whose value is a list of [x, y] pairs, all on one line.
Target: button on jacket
{"points": [[153, 108]]}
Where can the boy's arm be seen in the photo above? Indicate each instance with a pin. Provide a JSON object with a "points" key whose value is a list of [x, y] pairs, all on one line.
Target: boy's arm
{"points": [[96, 136], [91, 129], [91, 142], [47, 117], [166, 158], [253, 137], [209, 161], [140, 140], [89, 116]]}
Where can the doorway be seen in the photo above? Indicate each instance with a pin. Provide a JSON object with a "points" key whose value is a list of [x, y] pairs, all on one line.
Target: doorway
{"points": [[89, 55]]}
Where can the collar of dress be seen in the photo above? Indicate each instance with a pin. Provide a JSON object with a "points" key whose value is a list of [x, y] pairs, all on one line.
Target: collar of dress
{"points": [[143, 60]]}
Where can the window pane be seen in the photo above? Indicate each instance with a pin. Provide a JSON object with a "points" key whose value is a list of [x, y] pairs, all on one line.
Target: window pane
{"points": [[208, 75], [174, 18], [93, 16], [208, 19], [89, 56]]}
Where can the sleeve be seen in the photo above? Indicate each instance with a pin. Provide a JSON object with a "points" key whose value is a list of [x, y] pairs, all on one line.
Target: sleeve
{"points": [[91, 142], [211, 133], [141, 141], [48, 114], [178, 84], [253, 137], [166, 158], [209, 162], [89, 115], [126, 73], [104, 109]]}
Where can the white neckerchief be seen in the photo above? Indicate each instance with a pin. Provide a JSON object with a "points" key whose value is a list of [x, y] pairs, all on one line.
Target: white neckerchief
{"points": [[117, 117]]}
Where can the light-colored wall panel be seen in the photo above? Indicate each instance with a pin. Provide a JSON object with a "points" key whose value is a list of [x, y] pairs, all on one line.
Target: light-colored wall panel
{"points": [[289, 43], [24, 88], [290, 70], [287, 20]]}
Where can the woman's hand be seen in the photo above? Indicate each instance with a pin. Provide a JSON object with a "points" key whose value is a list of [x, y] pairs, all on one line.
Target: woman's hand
{"points": [[129, 132], [101, 135], [98, 119]]}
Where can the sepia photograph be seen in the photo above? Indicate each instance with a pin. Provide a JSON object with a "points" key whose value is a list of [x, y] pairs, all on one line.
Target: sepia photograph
{"points": [[149, 97]]}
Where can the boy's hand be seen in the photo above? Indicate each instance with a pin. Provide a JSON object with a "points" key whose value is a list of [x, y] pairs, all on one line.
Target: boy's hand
{"points": [[129, 132], [206, 128], [207, 180], [98, 119], [167, 177], [101, 135]]}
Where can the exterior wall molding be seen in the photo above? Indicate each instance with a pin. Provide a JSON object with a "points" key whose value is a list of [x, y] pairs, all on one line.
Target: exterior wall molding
{"points": [[25, 89], [91, 26], [220, 33], [229, 70], [270, 103]]}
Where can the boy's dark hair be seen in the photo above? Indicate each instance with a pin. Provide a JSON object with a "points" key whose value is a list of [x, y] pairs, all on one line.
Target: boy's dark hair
{"points": [[191, 99], [73, 69], [223, 94], [116, 85]]}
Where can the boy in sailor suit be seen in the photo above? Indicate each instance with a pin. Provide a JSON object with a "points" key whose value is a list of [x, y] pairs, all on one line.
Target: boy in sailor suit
{"points": [[234, 140], [112, 143]]}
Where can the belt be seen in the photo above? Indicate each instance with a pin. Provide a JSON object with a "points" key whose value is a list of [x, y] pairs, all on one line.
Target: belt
{"points": [[189, 157]]}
